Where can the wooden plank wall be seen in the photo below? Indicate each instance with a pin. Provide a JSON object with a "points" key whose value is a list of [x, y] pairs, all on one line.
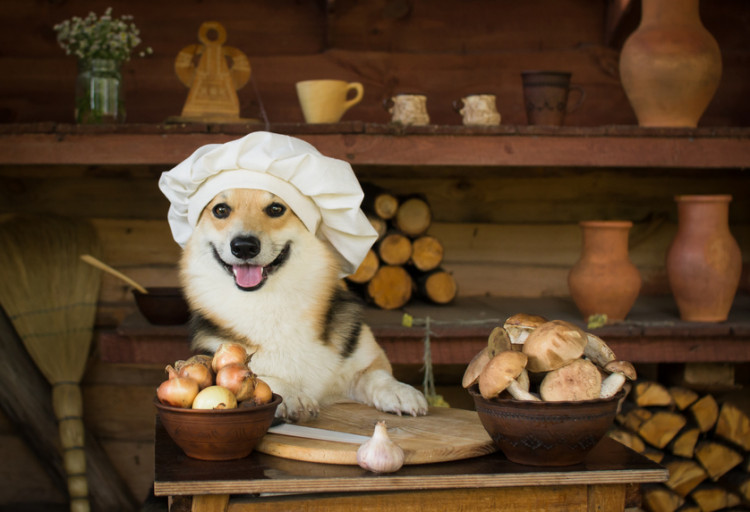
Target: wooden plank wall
{"points": [[508, 233], [428, 46]]}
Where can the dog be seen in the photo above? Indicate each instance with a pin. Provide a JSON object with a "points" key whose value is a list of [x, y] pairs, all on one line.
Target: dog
{"points": [[253, 274]]}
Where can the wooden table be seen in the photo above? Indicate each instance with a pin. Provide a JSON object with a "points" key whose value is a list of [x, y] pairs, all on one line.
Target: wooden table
{"points": [[491, 482]]}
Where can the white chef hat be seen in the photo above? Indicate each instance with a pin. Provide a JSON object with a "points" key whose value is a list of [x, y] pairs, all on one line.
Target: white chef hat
{"points": [[323, 192]]}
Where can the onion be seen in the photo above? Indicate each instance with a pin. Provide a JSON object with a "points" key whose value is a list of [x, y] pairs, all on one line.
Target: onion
{"points": [[197, 371], [263, 393], [215, 397], [177, 391], [238, 379], [228, 353]]}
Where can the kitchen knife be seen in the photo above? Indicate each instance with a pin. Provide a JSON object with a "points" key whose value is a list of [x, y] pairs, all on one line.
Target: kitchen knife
{"points": [[321, 434]]}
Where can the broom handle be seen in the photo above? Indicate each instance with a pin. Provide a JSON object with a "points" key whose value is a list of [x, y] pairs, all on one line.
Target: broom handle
{"points": [[68, 406], [103, 266]]}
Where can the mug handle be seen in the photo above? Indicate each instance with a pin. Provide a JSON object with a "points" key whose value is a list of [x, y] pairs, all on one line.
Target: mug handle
{"points": [[388, 104], [359, 92], [582, 97]]}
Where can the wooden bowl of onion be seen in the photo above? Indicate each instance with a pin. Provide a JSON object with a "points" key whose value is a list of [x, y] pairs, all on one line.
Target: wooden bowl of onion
{"points": [[215, 407]]}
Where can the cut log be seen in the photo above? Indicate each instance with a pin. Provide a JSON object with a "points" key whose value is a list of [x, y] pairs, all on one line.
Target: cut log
{"points": [[651, 394], [683, 444], [737, 481], [390, 287], [413, 217], [634, 417], [683, 397], [705, 411], [367, 269], [379, 202], [661, 428], [684, 475], [427, 253], [659, 498], [627, 438], [733, 423], [716, 458], [380, 226], [689, 506], [710, 497], [394, 249], [437, 286], [654, 454]]}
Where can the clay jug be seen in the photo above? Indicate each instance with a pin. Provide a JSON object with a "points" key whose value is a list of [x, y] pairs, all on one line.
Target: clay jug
{"points": [[603, 280], [670, 66], [704, 260]]}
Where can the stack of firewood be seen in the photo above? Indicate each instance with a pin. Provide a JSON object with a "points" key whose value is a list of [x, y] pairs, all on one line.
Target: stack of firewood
{"points": [[702, 441], [405, 260]]}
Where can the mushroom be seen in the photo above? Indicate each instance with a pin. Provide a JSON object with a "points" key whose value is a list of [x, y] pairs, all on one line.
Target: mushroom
{"points": [[501, 374], [553, 345], [619, 373], [598, 351], [520, 325], [498, 341], [475, 367], [579, 380]]}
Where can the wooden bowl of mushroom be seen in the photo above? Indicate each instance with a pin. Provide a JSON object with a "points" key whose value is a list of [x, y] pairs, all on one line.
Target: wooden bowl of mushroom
{"points": [[546, 391], [215, 407]]}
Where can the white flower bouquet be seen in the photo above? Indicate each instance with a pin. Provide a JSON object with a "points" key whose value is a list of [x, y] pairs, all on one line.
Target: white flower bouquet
{"points": [[102, 37]]}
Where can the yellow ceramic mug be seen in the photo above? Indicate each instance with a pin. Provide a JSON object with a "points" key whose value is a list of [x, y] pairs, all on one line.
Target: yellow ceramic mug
{"points": [[325, 101]]}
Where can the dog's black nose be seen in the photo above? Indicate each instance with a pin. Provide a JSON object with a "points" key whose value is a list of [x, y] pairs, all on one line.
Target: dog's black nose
{"points": [[245, 247]]}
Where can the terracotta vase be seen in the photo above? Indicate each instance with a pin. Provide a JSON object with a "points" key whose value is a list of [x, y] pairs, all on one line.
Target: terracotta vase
{"points": [[704, 260], [670, 66], [604, 280]]}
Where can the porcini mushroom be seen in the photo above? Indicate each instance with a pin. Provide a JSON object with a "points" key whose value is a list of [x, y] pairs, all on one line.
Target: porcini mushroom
{"points": [[578, 380], [475, 367], [553, 345], [498, 341], [520, 325], [619, 373], [598, 351], [501, 374]]}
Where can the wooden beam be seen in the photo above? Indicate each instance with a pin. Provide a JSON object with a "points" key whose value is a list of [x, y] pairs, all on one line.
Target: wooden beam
{"points": [[577, 147]]}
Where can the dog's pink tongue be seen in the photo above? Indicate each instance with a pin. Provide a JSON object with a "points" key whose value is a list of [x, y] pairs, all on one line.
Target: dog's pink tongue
{"points": [[247, 276]]}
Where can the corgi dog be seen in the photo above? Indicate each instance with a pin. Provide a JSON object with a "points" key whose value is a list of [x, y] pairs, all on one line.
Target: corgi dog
{"points": [[253, 274]]}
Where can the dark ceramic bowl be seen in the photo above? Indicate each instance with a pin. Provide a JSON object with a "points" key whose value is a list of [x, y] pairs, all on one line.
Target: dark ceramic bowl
{"points": [[226, 434], [163, 305], [546, 433]]}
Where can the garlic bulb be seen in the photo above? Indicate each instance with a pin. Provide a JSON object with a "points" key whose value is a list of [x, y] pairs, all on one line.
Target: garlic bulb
{"points": [[379, 454]]}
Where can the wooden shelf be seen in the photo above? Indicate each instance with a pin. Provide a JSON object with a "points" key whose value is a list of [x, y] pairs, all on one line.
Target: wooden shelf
{"points": [[375, 144], [653, 332]]}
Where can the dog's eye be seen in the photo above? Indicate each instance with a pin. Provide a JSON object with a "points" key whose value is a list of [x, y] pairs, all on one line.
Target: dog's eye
{"points": [[275, 210], [221, 211]]}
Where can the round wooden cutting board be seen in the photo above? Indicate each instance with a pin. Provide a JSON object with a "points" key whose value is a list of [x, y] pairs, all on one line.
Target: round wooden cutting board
{"points": [[445, 434]]}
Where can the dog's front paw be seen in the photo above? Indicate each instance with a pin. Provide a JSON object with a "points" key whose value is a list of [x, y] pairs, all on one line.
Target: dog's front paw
{"points": [[399, 398], [296, 405]]}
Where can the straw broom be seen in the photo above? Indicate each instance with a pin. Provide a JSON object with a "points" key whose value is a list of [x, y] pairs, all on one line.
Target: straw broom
{"points": [[50, 296]]}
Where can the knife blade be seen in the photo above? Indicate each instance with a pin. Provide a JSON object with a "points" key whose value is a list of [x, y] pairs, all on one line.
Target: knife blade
{"points": [[321, 434]]}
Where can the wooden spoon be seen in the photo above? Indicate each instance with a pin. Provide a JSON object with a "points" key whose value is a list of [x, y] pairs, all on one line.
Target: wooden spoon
{"points": [[103, 266]]}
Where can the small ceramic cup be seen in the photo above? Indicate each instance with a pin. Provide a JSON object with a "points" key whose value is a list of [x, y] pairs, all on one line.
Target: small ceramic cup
{"points": [[326, 101], [546, 96], [478, 109], [408, 109]]}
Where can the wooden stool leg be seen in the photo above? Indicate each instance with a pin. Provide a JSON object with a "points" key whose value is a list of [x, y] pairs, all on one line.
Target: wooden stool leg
{"points": [[606, 498], [210, 503]]}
